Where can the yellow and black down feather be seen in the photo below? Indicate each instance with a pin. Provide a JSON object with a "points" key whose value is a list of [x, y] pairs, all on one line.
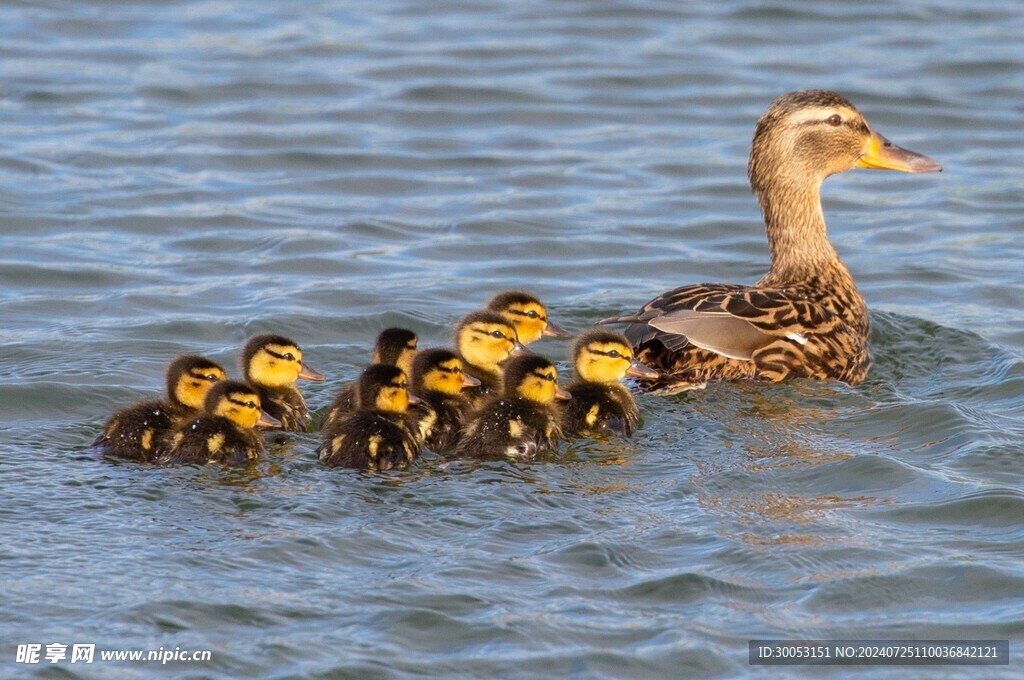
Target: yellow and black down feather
{"points": [[599, 407], [135, 432]]}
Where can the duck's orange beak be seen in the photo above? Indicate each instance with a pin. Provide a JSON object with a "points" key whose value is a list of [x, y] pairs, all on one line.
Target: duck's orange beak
{"points": [[413, 399], [562, 394], [469, 381], [308, 373], [882, 154], [268, 421]]}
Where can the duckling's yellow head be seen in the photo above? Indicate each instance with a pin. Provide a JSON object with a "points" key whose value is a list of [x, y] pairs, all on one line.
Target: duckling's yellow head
{"points": [[239, 403], [533, 377], [486, 339], [190, 377], [439, 370], [804, 137], [396, 347], [275, 361], [383, 388], [527, 314], [604, 356]]}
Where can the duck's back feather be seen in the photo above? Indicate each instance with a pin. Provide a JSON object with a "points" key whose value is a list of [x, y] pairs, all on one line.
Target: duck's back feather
{"points": [[369, 440], [287, 405], [135, 432], [597, 407], [704, 332], [510, 426], [212, 439]]}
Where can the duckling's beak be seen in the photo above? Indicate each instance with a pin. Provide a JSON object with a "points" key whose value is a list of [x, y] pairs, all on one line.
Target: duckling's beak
{"points": [[639, 370], [413, 399], [469, 381], [553, 330], [268, 421], [308, 373], [884, 155], [518, 349], [562, 394]]}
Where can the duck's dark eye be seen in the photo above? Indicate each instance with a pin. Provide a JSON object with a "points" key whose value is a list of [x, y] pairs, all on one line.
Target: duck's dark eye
{"points": [[835, 120], [211, 378], [614, 354], [497, 334], [251, 404], [532, 314], [289, 356]]}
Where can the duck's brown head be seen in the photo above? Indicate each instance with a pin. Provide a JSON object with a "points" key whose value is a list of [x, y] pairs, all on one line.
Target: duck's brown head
{"points": [[804, 137]]}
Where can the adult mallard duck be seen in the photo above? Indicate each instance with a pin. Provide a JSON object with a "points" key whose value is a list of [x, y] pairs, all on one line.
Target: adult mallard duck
{"points": [[805, 317]]}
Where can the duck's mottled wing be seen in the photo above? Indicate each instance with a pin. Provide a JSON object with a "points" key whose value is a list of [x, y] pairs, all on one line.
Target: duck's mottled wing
{"points": [[733, 321], [718, 332]]}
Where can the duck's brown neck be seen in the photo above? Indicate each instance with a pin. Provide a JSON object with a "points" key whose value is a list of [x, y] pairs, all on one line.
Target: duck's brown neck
{"points": [[796, 233]]}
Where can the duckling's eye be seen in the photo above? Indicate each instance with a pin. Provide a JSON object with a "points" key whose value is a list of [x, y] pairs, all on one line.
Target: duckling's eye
{"points": [[532, 314], [289, 356], [251, 404], [614, 354], [211, 377], [835, 120], [497, 334]]}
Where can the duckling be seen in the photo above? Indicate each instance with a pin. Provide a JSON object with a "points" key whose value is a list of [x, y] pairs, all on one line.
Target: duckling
{"points": [[272, 364], [599, 401], [485, 339], [375, 436], [134, 432], [523, 420], [805, 317], [225, 432], [527, 314], [438, 380], [394, 347]]}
